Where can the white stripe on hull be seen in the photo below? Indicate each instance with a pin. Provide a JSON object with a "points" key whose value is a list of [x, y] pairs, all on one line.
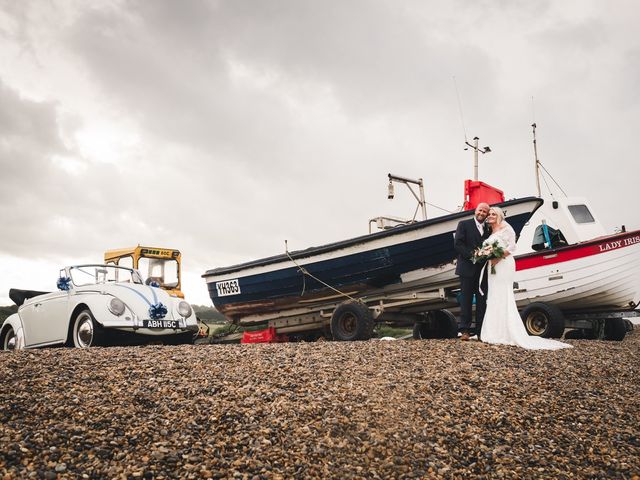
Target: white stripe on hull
{"points": [[435, 275]]}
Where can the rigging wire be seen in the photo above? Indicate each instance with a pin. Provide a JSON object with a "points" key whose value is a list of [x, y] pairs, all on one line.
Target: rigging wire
{"points": [[554, 180], [439, 208], [464, 130], [544, 179], [538, 162]]}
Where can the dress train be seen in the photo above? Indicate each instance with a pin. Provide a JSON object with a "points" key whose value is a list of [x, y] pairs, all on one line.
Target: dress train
{"points": [[502, 323]]}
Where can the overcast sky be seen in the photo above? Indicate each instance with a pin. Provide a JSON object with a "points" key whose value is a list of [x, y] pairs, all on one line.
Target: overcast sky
{"points": [[222, 128]]}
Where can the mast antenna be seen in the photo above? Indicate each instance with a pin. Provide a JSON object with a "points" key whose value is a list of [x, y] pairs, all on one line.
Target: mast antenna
{"points": [[539, 166], [476, 149], [535, 147], [474, 146], [535, 154], [464, 130]]}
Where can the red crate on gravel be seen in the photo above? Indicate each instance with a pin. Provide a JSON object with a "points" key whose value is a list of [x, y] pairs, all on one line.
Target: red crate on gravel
{"points": [[268, 335]]}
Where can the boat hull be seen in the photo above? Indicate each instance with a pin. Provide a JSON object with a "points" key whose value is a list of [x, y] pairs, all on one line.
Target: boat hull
{"points": [[411, 256], [600, 274]]}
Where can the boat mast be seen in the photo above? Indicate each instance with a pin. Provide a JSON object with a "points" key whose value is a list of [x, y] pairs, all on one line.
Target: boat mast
{"points": [[476, 149], [535, 153]]}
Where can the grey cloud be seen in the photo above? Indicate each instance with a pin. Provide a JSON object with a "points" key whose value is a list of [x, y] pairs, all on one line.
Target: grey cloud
{"points": [[26, 125], [188, 94], [43, 204]]}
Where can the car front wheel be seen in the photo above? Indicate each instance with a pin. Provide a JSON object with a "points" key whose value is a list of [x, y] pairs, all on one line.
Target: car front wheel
{"points": [[9, 340], [86, 331]]}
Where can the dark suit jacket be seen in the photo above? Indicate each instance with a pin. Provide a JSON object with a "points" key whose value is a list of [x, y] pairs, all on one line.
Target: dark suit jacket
{"points": [[467, 239]]}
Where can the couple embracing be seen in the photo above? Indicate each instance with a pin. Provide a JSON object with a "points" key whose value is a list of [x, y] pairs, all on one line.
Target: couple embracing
{"points": [[491, 281]]}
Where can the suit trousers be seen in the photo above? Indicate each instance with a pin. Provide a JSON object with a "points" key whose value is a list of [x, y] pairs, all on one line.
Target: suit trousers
{"points": [[469, 288]]}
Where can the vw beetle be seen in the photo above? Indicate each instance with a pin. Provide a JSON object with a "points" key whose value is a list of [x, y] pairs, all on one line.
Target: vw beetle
{"points": [[97, 305]]}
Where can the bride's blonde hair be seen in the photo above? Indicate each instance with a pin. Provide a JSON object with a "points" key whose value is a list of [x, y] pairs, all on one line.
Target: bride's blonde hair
{"points": [[499, 213]]}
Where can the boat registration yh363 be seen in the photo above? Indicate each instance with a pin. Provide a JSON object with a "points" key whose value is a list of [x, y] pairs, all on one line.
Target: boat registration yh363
{"points": [[229, 287]]}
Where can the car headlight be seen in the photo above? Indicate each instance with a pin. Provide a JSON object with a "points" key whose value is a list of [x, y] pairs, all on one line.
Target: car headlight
{"points": [[184, 309], [116, 306]]}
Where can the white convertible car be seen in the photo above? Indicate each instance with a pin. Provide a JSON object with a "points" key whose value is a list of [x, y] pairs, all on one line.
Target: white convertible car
{"points": [[97, 305]]}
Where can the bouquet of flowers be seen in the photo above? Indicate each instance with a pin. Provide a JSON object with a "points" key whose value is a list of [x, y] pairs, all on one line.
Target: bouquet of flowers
{"points": [[488, 251]]}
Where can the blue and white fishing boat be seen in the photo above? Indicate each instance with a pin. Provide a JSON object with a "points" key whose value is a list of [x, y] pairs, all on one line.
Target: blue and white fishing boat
{"points": [[406, 258]]}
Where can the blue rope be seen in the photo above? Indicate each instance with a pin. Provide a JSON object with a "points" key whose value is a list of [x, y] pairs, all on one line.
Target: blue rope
{"points": [[547, 237]]}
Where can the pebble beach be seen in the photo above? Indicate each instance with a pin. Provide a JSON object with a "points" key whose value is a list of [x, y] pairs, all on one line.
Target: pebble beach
{"points": [[376, 409]]}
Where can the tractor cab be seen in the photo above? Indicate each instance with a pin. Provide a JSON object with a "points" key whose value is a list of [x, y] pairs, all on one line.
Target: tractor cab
{"points": [[157, 266]]}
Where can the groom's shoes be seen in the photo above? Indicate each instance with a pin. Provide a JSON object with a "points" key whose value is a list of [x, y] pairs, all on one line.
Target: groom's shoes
{"points": [[465, 336]]}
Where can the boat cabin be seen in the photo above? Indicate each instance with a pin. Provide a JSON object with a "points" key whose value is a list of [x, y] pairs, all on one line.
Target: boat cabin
{"points": [[568, 220], [558, 222]]}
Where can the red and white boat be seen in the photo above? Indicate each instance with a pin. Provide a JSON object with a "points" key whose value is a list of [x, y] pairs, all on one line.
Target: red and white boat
{"points": [[597, 273], [569, 271], [591, 280]]}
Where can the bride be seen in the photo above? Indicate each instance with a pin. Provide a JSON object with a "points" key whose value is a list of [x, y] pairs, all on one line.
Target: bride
{"points": [[502, 323]]}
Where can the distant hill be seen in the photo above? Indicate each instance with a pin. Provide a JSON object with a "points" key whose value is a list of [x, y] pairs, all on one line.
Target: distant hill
{"points": [[6, 311], [209, 314]]}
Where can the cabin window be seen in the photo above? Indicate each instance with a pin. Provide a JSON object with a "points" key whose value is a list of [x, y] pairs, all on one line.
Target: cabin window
{"points": [[581, 214], [162, 270], [126, 262]]}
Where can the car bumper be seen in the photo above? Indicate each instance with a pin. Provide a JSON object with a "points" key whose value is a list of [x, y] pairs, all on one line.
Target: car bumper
{"points": [[153, 327]]}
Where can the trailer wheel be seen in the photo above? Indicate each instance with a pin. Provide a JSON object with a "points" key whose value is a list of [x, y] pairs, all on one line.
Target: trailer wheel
{"points": [[352, 320], [543, 320], [614, 329], [438, 324], [422, 331], [576, 334], [446, 324], [580, 334]]}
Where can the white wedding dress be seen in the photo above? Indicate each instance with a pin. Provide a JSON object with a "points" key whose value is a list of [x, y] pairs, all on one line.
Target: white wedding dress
{"points": [[502, 323]]}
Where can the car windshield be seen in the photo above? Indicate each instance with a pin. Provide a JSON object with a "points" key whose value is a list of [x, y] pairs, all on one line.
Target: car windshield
{"points": [[92, 274]]}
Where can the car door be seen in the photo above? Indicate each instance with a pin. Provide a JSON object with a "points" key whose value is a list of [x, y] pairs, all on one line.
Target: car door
{"points": [[45, 319]]}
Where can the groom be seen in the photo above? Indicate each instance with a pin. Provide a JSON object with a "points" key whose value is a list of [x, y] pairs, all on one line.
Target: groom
{"points": [[469, 235]]}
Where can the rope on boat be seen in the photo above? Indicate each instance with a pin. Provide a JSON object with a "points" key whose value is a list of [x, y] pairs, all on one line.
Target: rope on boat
{"points": [[304, 272]]}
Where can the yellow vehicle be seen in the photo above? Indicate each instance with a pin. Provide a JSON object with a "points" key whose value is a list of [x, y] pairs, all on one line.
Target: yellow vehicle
{"points": [[156, 265]]}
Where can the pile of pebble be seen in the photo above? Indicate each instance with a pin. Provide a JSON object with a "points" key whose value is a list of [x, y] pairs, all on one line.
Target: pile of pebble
{"points": [[377, 409]]}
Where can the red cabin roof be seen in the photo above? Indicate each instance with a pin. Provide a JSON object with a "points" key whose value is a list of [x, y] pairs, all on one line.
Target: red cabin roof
{"points": [[476, 192]]}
